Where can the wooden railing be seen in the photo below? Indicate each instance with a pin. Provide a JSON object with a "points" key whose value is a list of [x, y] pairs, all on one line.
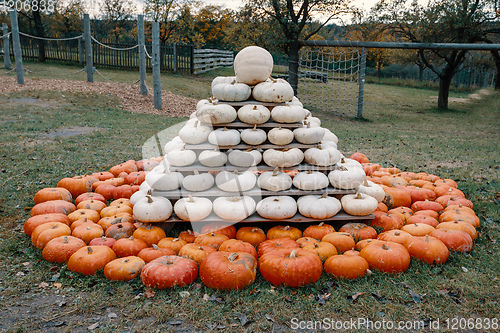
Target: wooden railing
{"points": [[208, 59]]}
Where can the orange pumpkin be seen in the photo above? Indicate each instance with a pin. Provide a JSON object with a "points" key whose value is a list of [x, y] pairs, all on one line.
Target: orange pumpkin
{"points": [[388, 257], [88, 232], [102, 175], [214, 240], [448, 200], [447, 181], [89, 214], [53, 206], [448, 190], [228, 270], [196, 252], [127, 167], [114, 210], [90, 259], [460, 215], [37, 220], [303, 241], [235, 245], [121, 201], [61, 248], [105, 190], [421, 194], [124, 191], [172, 243], [149, 234], [219, 228], [92, 205], [395, 197], [251, 235], [77, 185], [135, 178], [345, 266], [151, 253], [277, 243], [106, 241], [125, 247], [89, 196], [52, 193], [318, 231], [386, 221], [427, 212], [359, 231], [46, 232], [418, 229], [458, 225], [124, 269], [428, 249], [423, 219], [370, 168], [360, 157], [189, 236], [427, 205], [342, 241], [280, 231], [324, 250], [361, 244], [168, 272], [396, 236]]}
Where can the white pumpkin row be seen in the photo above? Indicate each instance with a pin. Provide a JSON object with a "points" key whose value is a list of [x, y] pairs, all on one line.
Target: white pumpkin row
{"points": [[271, 90], [158, 209]]}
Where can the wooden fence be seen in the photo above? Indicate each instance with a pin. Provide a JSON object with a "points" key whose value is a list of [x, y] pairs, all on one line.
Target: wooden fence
{"points": [[184, 59]]}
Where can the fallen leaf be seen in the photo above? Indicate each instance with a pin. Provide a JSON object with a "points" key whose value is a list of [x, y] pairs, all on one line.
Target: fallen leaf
{"points": [[242, 318], [43, 285], [112, 315], [197, 285], [26, 263], [58, 285], [59, 323], [93, 326], [61, 303], [215, 298], [184, 294], [356, 296], [19, 274], [379, 297], [268, 317], [174, 322], [464, 269], [416, 297], [322, 298], [149, 293]]}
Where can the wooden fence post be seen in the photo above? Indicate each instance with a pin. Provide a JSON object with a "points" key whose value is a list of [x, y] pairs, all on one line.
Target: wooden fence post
{"points": [[6, 47], [89, 63], [361, 92], [18, 55], [80, 51], [156, 65], [191, 56], [142, 55], [175, 58]]}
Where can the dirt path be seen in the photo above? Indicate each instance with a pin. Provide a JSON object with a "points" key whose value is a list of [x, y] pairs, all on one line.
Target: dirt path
{"points": [[132, 100], [472, 97]]}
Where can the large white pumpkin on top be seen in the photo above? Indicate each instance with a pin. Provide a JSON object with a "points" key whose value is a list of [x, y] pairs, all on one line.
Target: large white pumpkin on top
{"points": [[253, 65]]}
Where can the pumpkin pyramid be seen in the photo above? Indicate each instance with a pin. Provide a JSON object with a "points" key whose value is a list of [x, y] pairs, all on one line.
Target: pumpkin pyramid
{"points": [[253, 153]]}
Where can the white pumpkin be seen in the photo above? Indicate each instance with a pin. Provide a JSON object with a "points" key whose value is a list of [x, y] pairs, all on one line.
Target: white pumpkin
{"points": [[194, 134], [165, 181], [328, 144], [212, 158], [273, 91], [288, 113], [224, 137], [222, 79], [215, 113], [349, 163], [296, 101], [277, 207], [280, 136], [254, 114], [232, 92], [198, 181], [192, 208], [315, 121], [174, 144], [141, 194], [310, 180], [252, 65], [359, 204], [283, 158], [234, 208], [322, 156], [318, 207], [144, 187], [371, 189], [329, 136], [182, 157], [235, 181], [274, 181], [254, 136], [204, 102], [347, 179], [309, 135], [152, 209], [245, 158]]}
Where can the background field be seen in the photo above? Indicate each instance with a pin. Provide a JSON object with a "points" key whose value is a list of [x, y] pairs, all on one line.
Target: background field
{"points": [[402, 128]]}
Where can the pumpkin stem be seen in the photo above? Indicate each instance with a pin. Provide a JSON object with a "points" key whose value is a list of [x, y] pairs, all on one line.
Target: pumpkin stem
{"points": [[343, 168], [65, 240], [175, 239], [131, 238], [385, 247], [324, 195], [196, 172], [225, 128], [319, 146], [342, 160], [426, 238], [254, 128], [397, 233], [232, 256], [254, 107], [150, 200], [308, 124], [365, 183], [321, 224], [255, 229], [316, 245], [286, 228], [170, 262], [293, 255], [190, 198], [275, 172], [126, 260], [309, 172], [196, 123], [358, 196], [89, 250]]}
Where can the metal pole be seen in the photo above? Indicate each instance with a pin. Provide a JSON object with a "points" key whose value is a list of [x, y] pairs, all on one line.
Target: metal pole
{"points": [[361, 92], [89, 62], [6, 47], [18, 55], [142, 55], [156, 65]]}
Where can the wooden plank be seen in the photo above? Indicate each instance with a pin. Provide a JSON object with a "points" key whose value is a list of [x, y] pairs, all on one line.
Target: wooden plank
{"points": [[255, 218], [260, 167], [209, 146], [215, 192]]}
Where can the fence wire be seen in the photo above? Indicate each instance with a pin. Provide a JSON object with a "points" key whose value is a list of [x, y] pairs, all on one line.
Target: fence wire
{"points": [[49, 39], [329, 78], [114, 48]]}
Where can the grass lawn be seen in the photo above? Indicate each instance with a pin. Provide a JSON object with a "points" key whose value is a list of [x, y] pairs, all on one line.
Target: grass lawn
{"points": [[402, 128]]}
